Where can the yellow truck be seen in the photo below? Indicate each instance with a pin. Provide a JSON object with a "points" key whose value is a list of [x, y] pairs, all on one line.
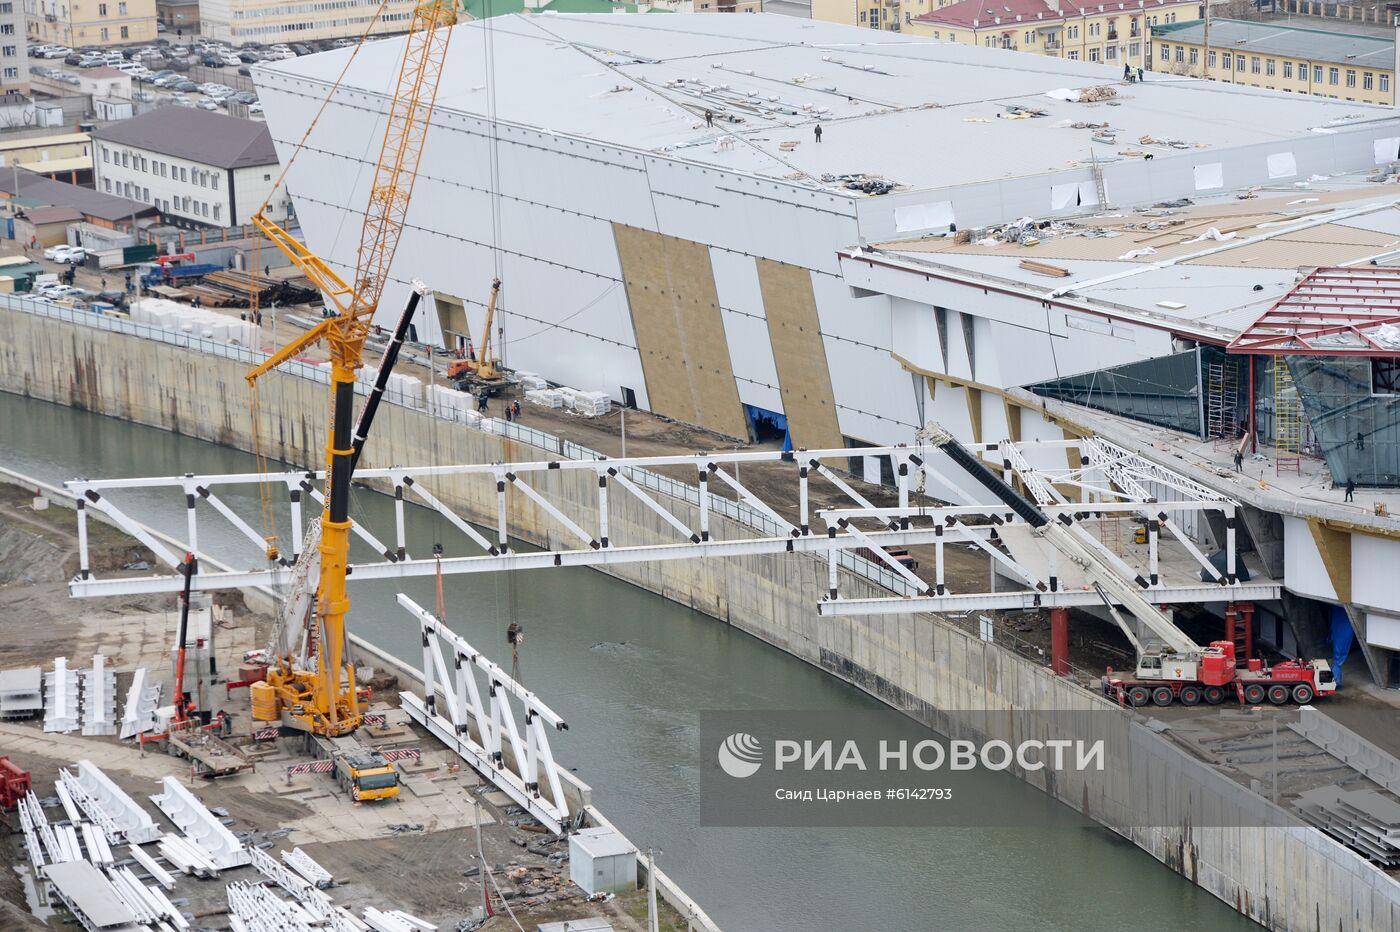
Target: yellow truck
{"points": [[364, 773]]}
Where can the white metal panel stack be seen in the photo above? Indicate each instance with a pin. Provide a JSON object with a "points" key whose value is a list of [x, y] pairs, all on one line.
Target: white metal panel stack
{"points": [[529, 381], [159, 874], [201, 827], [185, 857], [139, 713], [99, 698], [150, 905], [132, 823], [450, 403], [1364, 820], [395, 920], [592, 404], [34, 827], [61, 697], [21, 692]]}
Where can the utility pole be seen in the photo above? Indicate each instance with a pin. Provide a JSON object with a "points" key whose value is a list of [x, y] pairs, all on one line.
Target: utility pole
{"points": [[1205, 40], [622, 415]]}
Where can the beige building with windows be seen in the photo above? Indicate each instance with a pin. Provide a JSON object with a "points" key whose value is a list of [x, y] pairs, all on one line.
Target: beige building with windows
{"points": [[75, 23], [1281, 58], [1113, 33]]}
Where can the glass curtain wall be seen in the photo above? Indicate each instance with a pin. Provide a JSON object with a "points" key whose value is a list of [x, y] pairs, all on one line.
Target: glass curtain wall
{"points": [[1353, 405], [1165, 391]]}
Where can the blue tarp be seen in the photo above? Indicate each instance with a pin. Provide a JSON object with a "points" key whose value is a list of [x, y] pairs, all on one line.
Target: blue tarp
{"points": [[1341, 640], [762, 416]]}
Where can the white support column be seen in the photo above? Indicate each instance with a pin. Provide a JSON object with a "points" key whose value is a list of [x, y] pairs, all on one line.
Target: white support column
{"points": [[1230, 521], [428, 633], [83, 566], [192, 521], [1153, 532], [938, 560], [294, 507], [399, 531], [802, 501], [831, 560], [602, 509], [502, 534], [704, 480]]}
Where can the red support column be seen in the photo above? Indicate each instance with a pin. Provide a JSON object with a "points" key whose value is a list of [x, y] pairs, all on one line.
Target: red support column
{"points": [[1059, 641], [1247, 617], [1230, 618]]}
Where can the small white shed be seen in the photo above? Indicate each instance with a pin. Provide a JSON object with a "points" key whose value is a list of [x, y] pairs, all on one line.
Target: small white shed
{"points": [[602, 861]]}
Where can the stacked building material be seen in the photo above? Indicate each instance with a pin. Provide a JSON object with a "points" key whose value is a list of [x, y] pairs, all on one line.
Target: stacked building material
{"points": [[139, 713], [196, 321], [99, 698], [545, 398], [1366, 821], [592, 404], [530, 381], [21, 692], [61, 697]]}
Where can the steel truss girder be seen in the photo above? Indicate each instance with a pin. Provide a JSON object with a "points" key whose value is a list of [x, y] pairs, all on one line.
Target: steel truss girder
{"points": [[495, 721], [1063, 598], [1110, 473]]}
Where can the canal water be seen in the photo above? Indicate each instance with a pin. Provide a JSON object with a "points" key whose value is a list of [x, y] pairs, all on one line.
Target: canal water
{"points": [[630, 671]]}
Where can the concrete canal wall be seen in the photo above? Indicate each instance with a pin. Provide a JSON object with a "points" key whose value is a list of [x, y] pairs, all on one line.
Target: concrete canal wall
{"points": [[1266, 864]]}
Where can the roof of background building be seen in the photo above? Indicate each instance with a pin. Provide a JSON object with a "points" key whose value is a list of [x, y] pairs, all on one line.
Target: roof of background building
{"points": [[912, 111], [103, 72], [198, 135], [480, 8], [38, 189], [53, 214], [1162, 266], [1286, 41], [39, 142], [982, 14]]}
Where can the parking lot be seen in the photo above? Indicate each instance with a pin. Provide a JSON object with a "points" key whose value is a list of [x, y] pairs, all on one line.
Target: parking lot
{"points": [[195, 72]]}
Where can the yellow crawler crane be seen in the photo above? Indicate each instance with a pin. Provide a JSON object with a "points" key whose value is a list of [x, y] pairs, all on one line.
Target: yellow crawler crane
{"points": [[324, 701]]}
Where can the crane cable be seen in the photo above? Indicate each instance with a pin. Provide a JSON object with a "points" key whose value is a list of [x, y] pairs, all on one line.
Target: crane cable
{"points": [[268, 510]]}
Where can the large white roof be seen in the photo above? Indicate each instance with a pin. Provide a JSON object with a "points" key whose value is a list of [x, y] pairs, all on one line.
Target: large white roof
{"points": [[920, 113]]}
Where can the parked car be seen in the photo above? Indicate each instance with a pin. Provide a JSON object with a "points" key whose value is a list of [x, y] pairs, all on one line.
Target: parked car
{"points": [[301, 49], [185, 87], [212, 61], [65, 253], [207, 105], [59, 291], [72, 58], [255, 108], [248, 56]]}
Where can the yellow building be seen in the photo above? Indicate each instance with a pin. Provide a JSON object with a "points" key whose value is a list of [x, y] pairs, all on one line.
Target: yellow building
{"points": [[75, 23], [1114, 33], [64, 156], [1282, 58]]}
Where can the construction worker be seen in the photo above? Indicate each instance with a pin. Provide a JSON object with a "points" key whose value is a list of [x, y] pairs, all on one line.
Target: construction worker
{"points": [[1239, 461], [1139, 75], [709, 118], [1128, 73], [818, 132], [1351, 490], [515, 407]]}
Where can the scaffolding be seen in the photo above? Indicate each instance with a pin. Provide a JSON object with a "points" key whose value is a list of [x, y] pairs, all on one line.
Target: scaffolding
{"points": [[1222, 401], [1288, 419]]}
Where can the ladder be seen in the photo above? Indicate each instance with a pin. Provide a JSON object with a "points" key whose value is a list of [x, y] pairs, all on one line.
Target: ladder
{"points": [[1288, 420]]}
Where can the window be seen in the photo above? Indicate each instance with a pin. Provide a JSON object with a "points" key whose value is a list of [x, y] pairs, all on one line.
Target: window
{"points": [[1333, 74], [862, 16], [1351, 78], [121, 8], [106, 154], [215, 177], [216, 211], [107, 185], [9, 51], [1074, 55], [1239, 62], [1385, 83], [1111, 53], [1134, 49], [1072, 32], [1180, 54], [1094, 53], [1269, 67], [1288, 69], [1368, 80], [1093, 29], [7, 7], [1210, 59], [1254, 64], [1317, 74], [103, 32], [184, 176], [126, 32], [1166, 53], [7, 30], [102, 9], [11, 72]]}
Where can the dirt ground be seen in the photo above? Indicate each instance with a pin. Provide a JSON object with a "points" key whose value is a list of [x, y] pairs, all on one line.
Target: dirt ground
{"points": [[413, 853]]}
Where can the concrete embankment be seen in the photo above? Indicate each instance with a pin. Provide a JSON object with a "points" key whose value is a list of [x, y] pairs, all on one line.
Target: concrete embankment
{"points": [[1266, 865]]}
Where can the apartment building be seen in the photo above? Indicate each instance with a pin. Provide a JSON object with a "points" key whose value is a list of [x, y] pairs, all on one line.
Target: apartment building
{"points": [[75, 23], [272, 21], [1117, 33], [1108, 33], [1295, 59], [14, 62], [197, 167]]}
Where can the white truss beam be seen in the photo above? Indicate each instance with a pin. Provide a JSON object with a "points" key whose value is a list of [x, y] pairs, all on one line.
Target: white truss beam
{"points": [[529, 775]]}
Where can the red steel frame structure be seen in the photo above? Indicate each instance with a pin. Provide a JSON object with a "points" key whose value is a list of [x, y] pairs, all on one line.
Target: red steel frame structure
{"points": [[1329, 303]]}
